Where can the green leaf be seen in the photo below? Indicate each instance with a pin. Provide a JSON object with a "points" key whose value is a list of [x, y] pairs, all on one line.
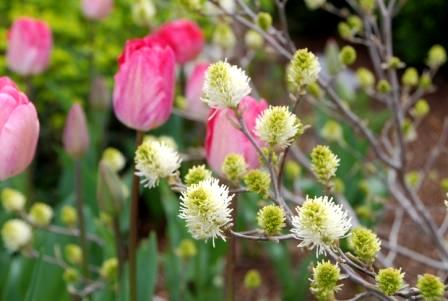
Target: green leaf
{"points": [[147, 268], [31, 293]]}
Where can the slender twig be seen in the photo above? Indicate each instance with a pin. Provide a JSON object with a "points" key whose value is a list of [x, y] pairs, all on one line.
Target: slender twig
{"points": [[393, 237]]}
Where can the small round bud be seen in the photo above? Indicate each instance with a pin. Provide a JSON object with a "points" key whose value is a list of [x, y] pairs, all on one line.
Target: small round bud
{"points": [[355, 23], [71, 276], [292, 170], [365, 77], [143, 12], [16, 235], [421, 108], [314, 4], [410, 77], [186, 249], [347, 55], [324, 163], [365, 244], [408, 129], [264, 20], [315, 90], [69, 216], [325, 280], [109, 269], [191, 5], [431, 287], [425, 81], [12, 200], [303, 70], [345, 31], [234, 167], [40, 214], [252, 279], [389, 280], [114, 158], [413, 178], [436, 56], [253, 40], [332, 131], [395, 63], [368, 6], [383, 86], [258, 181], [73, 254], [223, 36], [271, 219], [197, 174]]}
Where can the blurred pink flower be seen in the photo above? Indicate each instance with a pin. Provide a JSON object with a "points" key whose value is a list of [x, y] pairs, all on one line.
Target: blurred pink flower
{"points": [[144, 84], [184, 37], [76, 133], [19, 130], [96, 9], [29, 46], [195, 106], [222, 138]]}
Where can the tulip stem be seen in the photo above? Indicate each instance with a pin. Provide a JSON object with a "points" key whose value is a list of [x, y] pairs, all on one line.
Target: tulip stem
{"points": [[81, 221], [133, 229], [117, 233]]}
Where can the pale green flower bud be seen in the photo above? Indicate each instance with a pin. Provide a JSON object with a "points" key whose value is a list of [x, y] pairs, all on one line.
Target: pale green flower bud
{"points": [[258, 181], [264, 20], [303, 70], [425, 81], [325, 280], [16, 235], [389, 280], [355, 23], [315, 90], [347, 55], [197, 174], [40, 214], [413, 178], [71, 276], [365, 77], [143, 12], [109, 269], [421, 108], [69, 216], [252, 279], [365, 244], [383, 86], [114, 158], [73, 254], [345, 31], [13, 200], [186, 249], [395, 63], [271, 219], [314, 4], [253, 40], [332, 131], [192, 5], [324, 164], [444, 184], [368, 6], [431, 287], [408, 129], [234, 167], [410, 77], [436, 56], [223, 36], [292, 170]]}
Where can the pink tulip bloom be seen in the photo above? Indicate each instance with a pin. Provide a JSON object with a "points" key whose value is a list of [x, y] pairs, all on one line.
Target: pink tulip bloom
{"points": [[144, 85], [19, 130], [96, 9], [195, 107], [76, 133], [29, 46], [184, 37], [222, 138]]}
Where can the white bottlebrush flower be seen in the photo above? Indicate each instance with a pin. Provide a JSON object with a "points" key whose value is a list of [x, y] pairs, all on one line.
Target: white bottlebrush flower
{"points": [[319, 223], [277, 126], [303, 70], [16, 234], [155, 160], [206, 209], [224, 85], [314, 4]]}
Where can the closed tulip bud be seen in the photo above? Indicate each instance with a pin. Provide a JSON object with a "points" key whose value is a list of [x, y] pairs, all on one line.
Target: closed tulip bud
{"points": [[347, 55], [194, 106], [12, 200], [19, 130], [110, 192], [40, 214], [436, 56], [222, 138], [143, 12], [73, 254], [109, 269], [144, 107], [389, 281], [114, 158], [29, 46], [410, 77], [253, 40], [16, 235], [223, 36], [69, 216], [96, 9], [76, 133], [252, 279], [100, 97], [264, 20]]}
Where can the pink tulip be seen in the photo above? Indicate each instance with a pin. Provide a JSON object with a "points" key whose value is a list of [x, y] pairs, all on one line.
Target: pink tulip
{"points": [[184, 37], [76, 134], [222, 138], [29, 46], [96, 9], [144, 85], [195, 106], [19, 130]]}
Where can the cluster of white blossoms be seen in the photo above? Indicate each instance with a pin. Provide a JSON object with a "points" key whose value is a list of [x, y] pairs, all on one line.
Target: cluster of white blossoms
{"points": [[224, 85], [319, 223], [155, 160], [16, 234], [205, 207]]}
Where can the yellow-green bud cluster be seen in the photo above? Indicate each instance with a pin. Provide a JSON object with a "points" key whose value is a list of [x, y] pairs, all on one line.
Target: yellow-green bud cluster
{"points": [[186, 249], [109, 269], [324, 163], [410, 77], [197, 174], [347, 30], [114, 159], [253, 39], [303, 70], [71, 276], [383, 86], [389, 280], [223, 36], [365, 77], [41, 214], [271, 219], [258, 181], [347, 55], [332, 131], [436, 56], [69, 216], [234, 167], [431, 287], [421, 108], [12, 200], [325, 280], [252, 279], [264, 20], [73, 254], [365, 244]]}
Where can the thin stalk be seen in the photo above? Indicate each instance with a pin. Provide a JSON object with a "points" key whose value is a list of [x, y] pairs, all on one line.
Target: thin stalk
{"points": [[133, 229], [81, 221], [231, 258], [119, 253]]}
